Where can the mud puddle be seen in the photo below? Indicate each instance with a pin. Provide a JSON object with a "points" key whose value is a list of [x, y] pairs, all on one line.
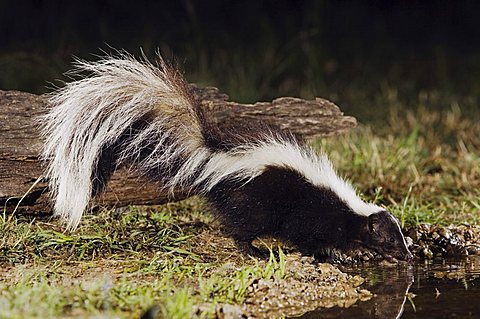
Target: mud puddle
{"points": [[434, 289]]}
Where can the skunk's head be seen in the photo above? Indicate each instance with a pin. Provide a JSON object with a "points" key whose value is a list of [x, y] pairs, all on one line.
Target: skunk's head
{"points": [[382, 233]]}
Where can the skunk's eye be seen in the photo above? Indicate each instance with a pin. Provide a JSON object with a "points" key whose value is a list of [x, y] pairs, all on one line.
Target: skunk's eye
{"points": [[392, 240]]}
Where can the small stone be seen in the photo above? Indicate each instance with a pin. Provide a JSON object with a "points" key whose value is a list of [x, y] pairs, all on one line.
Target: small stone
{"points": [[445, 232], [427, 253], [473, 250], [230, 312], [439, 274], [455, 275], [408, 241]]}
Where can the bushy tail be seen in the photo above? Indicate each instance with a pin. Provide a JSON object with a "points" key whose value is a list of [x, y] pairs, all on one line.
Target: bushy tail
{"points": [[124, 110]]}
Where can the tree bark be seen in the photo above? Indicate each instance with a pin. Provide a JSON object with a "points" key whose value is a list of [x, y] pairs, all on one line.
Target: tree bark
{"points": [[21, 172]]}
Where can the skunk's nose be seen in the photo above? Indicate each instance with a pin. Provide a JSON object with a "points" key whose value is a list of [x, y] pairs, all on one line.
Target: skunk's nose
{"points": [[409, 256]]}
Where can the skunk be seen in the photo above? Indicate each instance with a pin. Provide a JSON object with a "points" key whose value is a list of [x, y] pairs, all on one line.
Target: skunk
{"points": [[259, 180]]}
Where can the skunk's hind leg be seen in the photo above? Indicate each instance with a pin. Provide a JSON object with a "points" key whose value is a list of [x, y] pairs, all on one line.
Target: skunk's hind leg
{"points": [[104, 169]]}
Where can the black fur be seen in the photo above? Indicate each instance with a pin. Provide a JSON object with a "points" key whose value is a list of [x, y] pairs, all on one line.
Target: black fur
{"points": [[108, 160], [282, 203]]}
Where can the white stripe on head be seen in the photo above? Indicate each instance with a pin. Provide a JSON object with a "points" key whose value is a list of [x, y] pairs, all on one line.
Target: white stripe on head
{"points": [[399, 228], [250, 160]]}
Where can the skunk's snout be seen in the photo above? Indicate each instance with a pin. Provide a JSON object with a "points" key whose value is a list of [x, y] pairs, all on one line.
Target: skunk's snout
{"points": [[405, 256], [408, 256]]}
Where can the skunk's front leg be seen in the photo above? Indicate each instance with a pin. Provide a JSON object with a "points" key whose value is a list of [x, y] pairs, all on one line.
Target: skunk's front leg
{"points": [[245, 246]]}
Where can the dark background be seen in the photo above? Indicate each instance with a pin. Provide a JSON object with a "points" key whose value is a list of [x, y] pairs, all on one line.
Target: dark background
{"points": [[357, 53]]}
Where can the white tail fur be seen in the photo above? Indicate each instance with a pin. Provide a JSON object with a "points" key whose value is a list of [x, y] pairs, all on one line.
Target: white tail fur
{"points": [[91, 113]]}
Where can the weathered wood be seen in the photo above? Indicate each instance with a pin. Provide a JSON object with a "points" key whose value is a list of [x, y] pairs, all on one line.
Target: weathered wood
{"points": [[308, 118], [20, 144]]}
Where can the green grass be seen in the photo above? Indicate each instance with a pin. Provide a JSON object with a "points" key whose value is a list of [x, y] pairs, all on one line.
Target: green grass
{"points": [[109, 233], [423, 165], [44, 294], [120, 264]]}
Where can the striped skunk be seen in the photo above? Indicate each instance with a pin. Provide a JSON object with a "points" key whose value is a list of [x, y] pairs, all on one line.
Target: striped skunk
{"points": [[259, 180]]}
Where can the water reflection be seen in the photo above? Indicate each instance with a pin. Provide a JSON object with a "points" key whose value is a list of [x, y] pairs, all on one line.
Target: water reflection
{"points": [[442, 289]]}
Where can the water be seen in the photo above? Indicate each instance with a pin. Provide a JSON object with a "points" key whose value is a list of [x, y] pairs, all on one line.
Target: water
{"points": [[441, 289]]}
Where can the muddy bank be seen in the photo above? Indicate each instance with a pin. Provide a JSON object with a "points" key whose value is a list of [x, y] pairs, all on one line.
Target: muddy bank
{"points": [[430, 241], [305, 286]]}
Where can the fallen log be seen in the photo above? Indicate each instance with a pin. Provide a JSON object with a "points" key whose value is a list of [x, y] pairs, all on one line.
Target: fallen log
{"points": [[23, 189]]}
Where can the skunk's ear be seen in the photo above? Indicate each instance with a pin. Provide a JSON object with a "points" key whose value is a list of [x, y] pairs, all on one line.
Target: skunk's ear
{"points": [[373, 221]]}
